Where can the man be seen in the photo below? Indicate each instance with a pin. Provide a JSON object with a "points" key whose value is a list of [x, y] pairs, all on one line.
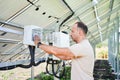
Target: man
{"points": [[81, 53]]}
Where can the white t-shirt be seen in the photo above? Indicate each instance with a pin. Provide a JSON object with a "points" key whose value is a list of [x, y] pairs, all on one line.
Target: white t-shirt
{"points": [[82, 68]]}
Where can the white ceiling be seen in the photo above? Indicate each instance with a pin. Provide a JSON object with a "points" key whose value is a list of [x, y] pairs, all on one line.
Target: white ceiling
{"points": [[51, 14]]}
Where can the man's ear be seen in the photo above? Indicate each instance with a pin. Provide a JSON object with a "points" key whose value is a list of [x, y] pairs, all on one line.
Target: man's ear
{"points": [[80, 31]]}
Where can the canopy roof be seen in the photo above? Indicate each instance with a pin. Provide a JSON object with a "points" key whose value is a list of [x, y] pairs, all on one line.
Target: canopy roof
{"points": [[101, 16]]}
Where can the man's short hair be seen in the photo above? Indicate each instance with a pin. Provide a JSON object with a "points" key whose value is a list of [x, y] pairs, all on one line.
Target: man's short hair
{"points": [[82, 26]]}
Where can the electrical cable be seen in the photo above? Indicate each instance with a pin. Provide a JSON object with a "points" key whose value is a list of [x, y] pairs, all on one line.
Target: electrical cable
{"points": [[52, 62], [68, 17], [55, 73], [31, 48], [32, 61]]}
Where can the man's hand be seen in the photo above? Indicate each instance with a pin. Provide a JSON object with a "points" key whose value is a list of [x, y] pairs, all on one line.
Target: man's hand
{"points": [[36, 39]]}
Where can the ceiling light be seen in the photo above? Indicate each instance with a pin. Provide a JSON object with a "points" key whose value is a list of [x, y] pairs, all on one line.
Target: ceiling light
{"points": [[43, 13], [4, 45], [37, 7]]}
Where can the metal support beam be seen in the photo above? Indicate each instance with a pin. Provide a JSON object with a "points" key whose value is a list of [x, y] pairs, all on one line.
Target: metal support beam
{"points": [[11, 24], [106, 24], [108, 20], [3, 64], [32, 73], [97, 36], [114, 46], [15, 48], [117, 46], [103, 33], [80, 11], [11, 41], [115, 10], [98, 25], [104, 36], [10, 31]]}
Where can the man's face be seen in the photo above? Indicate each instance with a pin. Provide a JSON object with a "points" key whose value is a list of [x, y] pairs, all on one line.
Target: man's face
{"points": [[74, 32]]}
